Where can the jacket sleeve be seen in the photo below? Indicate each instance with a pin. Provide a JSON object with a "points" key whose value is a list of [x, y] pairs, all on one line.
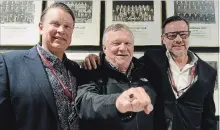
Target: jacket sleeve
{"points": [[91, 104], [208, 116], [5, 105]]}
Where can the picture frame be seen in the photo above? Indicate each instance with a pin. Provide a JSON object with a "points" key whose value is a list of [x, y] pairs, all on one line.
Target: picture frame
{"points": [[142, 17], [87, 21], [19, 22], [203, 18]]}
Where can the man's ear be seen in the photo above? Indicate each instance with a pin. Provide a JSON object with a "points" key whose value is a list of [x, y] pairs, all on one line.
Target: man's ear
{"points": [[103, 47], [40, 26], [162, 38]]}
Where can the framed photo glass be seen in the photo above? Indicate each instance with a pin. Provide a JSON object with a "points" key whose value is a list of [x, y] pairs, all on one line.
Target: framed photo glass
{"points": [[142, 17], [19, 22], [203, 17], [87, 21]]}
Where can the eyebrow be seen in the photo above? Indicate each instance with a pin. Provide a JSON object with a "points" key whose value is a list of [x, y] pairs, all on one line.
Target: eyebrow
{"points": [[177, 31], [66, 23]]}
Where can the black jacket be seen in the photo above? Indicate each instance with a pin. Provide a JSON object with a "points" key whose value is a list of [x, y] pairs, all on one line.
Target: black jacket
{"points": [[96, 101], [195, 109]]}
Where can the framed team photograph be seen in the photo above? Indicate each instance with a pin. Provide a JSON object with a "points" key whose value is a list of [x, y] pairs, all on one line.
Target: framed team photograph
{"points": [[87, 21], [213, 60], [203, 18], [142, 17], [19, 22]]}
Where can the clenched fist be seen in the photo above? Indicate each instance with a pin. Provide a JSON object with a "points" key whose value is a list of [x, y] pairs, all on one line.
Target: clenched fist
{"points": [[134, 100]]}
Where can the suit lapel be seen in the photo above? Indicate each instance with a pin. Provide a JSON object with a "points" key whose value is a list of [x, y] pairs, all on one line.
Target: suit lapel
{"points": [[160, 59], [203, 73], [35, 66]]}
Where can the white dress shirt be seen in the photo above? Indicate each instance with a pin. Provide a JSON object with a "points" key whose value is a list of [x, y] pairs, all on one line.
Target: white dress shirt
{"points": [[182, 78]]}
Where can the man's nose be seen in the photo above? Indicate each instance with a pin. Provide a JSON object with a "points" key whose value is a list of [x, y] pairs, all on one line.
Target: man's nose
{"points": [[60, 29], [178, 39], [122, 46]]}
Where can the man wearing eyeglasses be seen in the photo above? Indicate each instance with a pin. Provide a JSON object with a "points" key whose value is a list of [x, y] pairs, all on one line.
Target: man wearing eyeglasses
{"points": [[183, 82]]}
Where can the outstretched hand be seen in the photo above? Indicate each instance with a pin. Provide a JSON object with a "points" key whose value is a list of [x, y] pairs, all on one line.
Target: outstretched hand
{"points": [[134, 100]]}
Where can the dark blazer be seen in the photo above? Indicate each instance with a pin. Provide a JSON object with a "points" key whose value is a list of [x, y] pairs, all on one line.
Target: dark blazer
{"points": [[26, 96], [195, 109]]}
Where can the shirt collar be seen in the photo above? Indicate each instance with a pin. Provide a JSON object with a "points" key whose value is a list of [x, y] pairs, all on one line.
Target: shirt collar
{"points": [[191, 55], [127, 73], [53, 59]]}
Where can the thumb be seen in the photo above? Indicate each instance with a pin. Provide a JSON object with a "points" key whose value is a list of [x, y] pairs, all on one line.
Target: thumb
{"points": [[148, 109]]}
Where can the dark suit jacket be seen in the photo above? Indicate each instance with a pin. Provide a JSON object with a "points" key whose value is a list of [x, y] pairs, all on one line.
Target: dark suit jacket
{"points": [[195, 109], [26, 96]]}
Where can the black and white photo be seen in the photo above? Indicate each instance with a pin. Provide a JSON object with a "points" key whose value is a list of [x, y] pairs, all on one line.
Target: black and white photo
{"points": [[82, 10], [141, 16], [19, 21], [17, 12], [133, 11], [196, 11], [203, 17], [87, 21]]}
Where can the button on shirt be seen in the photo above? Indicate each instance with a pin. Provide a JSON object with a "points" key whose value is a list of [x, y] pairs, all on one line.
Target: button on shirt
{"points": [[182, 78]]}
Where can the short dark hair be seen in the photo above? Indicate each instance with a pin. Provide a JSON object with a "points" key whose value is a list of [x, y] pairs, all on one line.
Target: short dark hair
{"points": [[57, 5], [172, 19]]}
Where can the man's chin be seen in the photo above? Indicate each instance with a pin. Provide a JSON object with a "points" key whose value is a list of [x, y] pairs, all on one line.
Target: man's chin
{"points": [[123, 61], [59, 42], [59, 46], [123, 57], [179, 53]]}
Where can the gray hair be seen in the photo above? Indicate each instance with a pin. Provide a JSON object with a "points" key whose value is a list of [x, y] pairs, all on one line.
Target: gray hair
{"points": [[115, 27]]}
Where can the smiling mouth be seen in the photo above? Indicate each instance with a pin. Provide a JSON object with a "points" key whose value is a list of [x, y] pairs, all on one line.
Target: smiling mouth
{"points": [[122, 55], [179, 46], [59, 38]]}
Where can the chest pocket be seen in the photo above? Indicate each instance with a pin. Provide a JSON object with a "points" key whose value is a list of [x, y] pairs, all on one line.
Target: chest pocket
{"points": [[114, 86], [110, 85], [142, 82]]}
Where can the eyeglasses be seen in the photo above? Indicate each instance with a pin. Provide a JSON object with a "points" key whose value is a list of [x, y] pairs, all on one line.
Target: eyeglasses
{"points": [[173, 35]]}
